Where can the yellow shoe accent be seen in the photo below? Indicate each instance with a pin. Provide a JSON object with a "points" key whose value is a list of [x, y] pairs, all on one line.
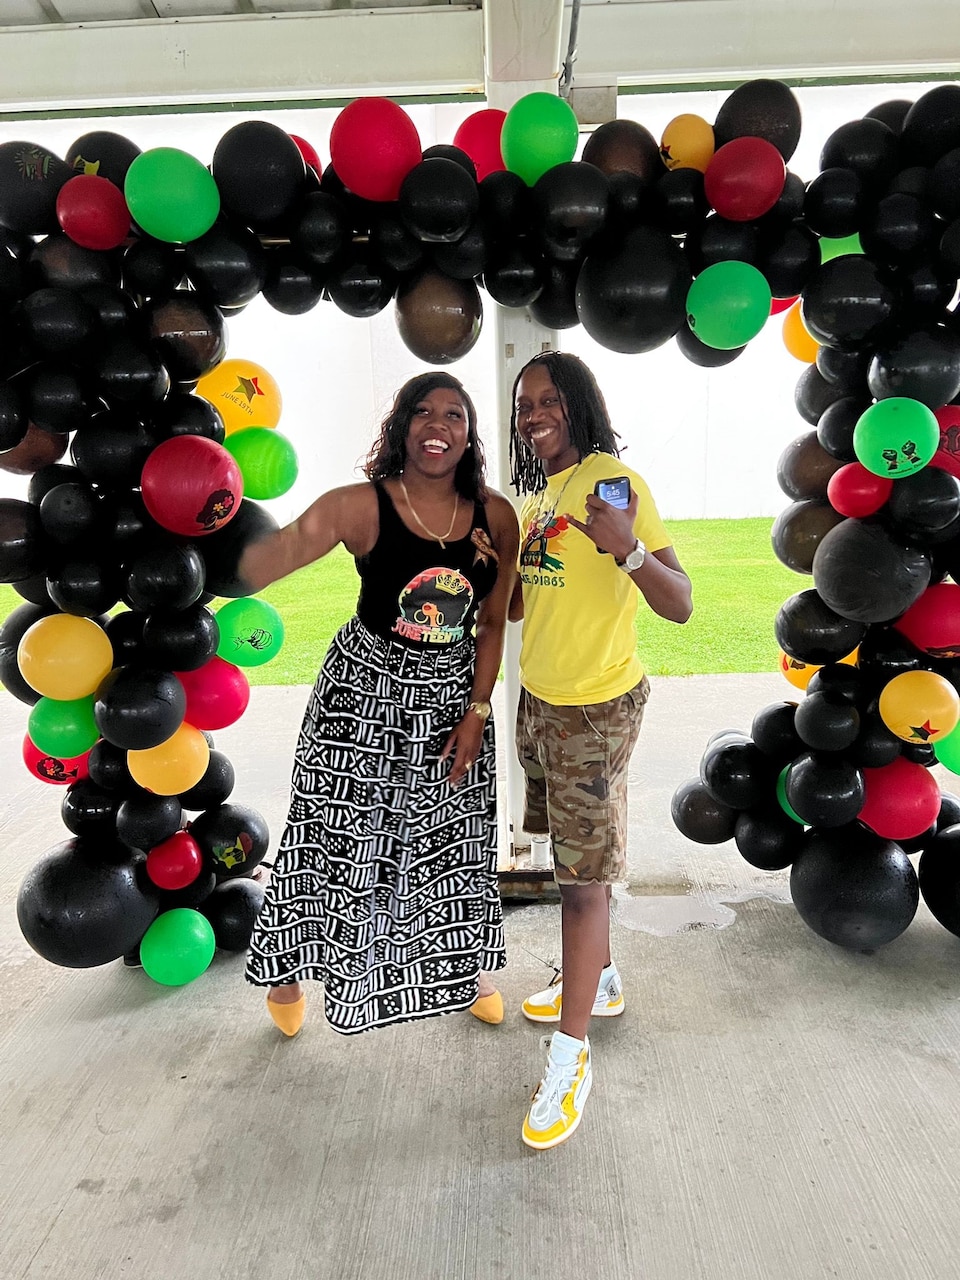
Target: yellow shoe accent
{"points": [[557, 1106], [488, 1008], [288, 1017]]}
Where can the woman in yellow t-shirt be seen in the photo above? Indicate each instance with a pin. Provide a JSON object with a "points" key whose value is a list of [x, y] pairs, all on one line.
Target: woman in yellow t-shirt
{"points": [[583, 688]]}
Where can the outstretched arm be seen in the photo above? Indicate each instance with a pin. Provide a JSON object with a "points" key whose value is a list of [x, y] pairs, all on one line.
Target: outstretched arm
{"points": [[347, 515]]}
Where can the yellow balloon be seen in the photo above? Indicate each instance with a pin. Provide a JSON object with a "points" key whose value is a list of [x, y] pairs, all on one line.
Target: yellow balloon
{"points": [[798, 673], [796, 338], [174, 766], [919, 706], [243, 393], [687, 143], [64, 657], [852, 658]]}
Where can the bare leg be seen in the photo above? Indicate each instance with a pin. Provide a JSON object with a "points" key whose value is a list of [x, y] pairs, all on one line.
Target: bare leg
{"points": [[486, 987], [585, 928], [289, 993]]}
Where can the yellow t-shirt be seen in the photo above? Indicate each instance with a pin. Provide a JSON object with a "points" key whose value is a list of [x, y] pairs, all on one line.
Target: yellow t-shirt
{"points": [[579, 645]]}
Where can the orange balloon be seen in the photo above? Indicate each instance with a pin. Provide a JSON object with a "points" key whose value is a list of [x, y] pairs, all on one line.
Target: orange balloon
{"points": [[687, 143], [798, 673], [174, 766], [796, 338], [244, 394], [919, 706], [64, 656]]}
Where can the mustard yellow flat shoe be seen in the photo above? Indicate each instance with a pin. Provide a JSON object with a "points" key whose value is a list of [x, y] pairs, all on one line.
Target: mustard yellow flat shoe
{"points": [[488, 1008], [288, 1017]]}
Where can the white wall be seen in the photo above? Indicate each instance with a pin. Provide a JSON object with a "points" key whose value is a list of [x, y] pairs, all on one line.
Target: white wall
{"points": [[707, 441]]}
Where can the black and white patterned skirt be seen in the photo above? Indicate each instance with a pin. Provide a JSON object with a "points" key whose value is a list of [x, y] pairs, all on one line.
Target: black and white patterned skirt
{"points": [[385, 884]]}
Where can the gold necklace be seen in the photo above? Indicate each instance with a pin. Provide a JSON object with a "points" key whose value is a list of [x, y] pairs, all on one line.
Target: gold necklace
{"points": [[436, 536]]}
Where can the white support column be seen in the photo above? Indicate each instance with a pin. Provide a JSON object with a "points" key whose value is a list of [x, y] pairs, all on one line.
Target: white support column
{"points": [[521, 55]]}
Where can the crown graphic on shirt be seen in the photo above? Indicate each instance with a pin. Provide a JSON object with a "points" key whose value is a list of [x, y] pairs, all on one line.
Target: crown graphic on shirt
{"points": [[449, 582]]}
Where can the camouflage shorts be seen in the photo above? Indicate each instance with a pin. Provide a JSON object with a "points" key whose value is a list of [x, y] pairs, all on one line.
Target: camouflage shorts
{"points": [[575, 760]]}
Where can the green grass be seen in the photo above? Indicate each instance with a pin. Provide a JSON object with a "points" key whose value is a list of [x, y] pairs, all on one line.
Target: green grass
{"points": [[738, 585]]}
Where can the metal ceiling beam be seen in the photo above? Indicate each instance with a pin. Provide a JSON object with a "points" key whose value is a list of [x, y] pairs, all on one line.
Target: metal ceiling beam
{"points": [[439, 50]]}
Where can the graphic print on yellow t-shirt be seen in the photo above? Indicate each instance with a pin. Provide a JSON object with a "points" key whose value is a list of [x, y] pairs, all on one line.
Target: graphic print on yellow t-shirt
{"points": [[579, 644]]}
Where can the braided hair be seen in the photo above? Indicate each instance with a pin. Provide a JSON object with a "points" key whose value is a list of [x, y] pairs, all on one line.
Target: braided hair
{"points": [[586, 412], [388, 456]]}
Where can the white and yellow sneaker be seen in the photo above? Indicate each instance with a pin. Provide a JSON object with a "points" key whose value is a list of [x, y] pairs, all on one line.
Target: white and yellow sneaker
{"points": [[560, 1097], [545, 1006]]}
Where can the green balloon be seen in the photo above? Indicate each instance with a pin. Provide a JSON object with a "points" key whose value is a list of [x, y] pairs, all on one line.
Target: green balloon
{"points": [[177, 947], [782, 797], [251, 632], [839, 248], [540, 131], [896, 437], [947, 750], [171, 195], [728, 304], [62, 727], [267, 461]]}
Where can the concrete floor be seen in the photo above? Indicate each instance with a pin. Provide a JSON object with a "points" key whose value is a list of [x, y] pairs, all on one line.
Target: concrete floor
{"points": [[769, 1106]]}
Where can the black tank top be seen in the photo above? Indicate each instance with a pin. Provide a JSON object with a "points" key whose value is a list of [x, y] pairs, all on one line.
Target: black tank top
{"points": [[417, 592]]}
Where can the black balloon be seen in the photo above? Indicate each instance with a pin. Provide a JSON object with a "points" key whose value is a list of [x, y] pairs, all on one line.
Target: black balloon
{"points": [[360, 288], [924, 507], [228, 264], [767, 838], [863, 574], [107, 766], [678, 202], [939, 876], [848, 302], [634, 300], [718, 239], [222, 550], [438, 319], [85, 903], [182, 414], [814, 395], [57, 321], [835, 203], [515, 276], [130, 371], [465, 259], [809, 630], [60, 260], [826, 722], [188, 334], [700, 816], [923, 365], [799, 529], [292, 285], [736, 773], [259, 172], [624, 146], [805, 467], [875, 745], [774, 733], [165, 577], [214, 787], [571, 205], [144, 820], [761, 109], [931, 127], [56, 398], [84, 584], [22, 550], [825, 790], [900, 230], [234, 839], [892, 113], [868, 147], [885, 653], [506, 205], [125, 633], [139, 707], [943, 189], [438, 200], [88, 809], [111, 448], [11, 632], [396, 247], [70, 513], [837, 423], [840, 680], [13, 418], [106, 154], [788, 257], [152, 269], [30, 181], [854, 888], [556, 305], [319, 231], [180, 639], [232, 909], [700, 354]]}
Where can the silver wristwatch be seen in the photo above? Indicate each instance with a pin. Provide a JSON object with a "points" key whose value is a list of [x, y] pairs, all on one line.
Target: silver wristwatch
{"points": [[635, 559]]}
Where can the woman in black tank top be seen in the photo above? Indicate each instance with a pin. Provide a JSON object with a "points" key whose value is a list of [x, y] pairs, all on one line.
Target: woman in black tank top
{"points": [[385, 887]]}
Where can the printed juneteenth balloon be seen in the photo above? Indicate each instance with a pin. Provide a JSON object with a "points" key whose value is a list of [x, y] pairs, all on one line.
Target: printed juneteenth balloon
{"points": [[244, 394], [687, 143], [920, 706]]}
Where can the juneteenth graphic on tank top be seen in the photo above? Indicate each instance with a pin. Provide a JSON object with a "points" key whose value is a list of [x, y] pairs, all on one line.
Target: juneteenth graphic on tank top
{"points": [[415, 591]]}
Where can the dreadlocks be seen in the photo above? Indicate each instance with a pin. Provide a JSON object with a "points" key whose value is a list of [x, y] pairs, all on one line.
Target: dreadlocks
{"points": [[587, 418], [388, 455]]}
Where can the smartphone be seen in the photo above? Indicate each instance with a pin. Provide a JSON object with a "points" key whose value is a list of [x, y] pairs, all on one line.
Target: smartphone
{"points": [[616, 492]]}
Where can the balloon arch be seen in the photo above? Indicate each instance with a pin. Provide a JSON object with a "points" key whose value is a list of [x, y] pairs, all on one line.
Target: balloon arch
{"points": [[117, 269]]}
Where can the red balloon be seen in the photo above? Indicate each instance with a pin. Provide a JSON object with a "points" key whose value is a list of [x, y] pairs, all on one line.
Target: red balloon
{"points": [[93, 212], [191, 485], [947, 457], [309, 153], [781, 304], [902, 800], [855, 491], [479, 137], [176, 862], [217, 694], [56, 770], [373, 146], [933, 622], [745, 178]]}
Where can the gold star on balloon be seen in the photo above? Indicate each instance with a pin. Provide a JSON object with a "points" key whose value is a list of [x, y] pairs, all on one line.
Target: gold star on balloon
{"points": [[924, 732], [247, 387]]}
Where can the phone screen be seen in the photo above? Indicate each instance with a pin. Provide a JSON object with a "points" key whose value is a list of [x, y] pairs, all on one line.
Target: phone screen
{"points": [[615, 491]]}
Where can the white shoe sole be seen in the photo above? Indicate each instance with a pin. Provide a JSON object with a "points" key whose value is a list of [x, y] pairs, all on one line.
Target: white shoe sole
{"points": [[567, 1133], [615, 1012]]}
